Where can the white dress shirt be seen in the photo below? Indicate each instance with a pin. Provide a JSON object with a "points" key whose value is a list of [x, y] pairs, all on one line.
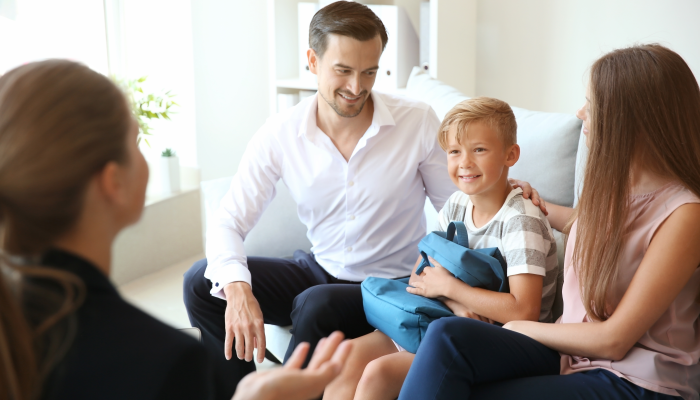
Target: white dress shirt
{"points": [[364, 216]]}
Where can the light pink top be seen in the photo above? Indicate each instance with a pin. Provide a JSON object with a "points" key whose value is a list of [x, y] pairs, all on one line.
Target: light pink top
{"points": [[665, 359]]}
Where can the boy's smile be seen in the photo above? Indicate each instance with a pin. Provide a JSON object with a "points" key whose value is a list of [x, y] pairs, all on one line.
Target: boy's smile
{"points": [[479, 164]]}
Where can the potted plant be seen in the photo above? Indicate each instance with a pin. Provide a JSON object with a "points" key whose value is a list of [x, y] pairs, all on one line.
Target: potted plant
{"points": [[169, 171], [146, 106]]}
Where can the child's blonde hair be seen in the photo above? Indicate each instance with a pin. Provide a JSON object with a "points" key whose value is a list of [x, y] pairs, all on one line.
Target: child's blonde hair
{"points": [[495, 113]]}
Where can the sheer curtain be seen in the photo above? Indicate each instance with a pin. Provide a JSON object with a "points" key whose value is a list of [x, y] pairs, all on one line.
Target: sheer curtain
{"points": [[32, 30]]}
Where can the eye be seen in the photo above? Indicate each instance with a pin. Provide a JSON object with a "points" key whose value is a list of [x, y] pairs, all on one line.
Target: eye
{"points": [[454, 151], [479, 150], [342, 71], [371, 73]]}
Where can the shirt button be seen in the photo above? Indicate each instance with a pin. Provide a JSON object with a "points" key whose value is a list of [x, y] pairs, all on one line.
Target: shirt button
{"points": [[352, 217], [351, 183], [349, 249], [217, 284]]}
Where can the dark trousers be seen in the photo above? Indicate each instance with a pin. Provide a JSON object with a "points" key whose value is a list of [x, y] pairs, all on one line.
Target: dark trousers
{"points": [[462, 358], [294, 291]]}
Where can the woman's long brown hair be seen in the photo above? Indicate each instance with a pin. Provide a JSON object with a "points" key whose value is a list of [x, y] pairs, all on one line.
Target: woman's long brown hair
{"points": [[644, 113], [60, 124]]}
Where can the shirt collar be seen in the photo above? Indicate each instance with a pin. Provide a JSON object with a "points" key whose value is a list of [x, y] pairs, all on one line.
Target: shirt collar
{"points": [[92, 277], [381, 117]]}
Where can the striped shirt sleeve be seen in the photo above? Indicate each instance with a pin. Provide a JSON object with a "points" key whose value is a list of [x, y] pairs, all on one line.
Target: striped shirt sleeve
{"points": [[526, 244]]}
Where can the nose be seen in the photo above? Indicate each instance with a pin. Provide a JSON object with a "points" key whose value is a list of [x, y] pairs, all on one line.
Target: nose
{"points": [[354, 84], [581, 113], [465, 161]]}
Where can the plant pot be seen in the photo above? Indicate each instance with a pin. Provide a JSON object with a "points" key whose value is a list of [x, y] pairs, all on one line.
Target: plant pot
{"points": [[170, 174]]}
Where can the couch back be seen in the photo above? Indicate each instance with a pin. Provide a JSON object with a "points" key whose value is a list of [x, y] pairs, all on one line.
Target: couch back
{"points": [[549, 142]]}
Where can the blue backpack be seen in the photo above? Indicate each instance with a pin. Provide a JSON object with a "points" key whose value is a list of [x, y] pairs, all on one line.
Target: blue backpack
{"points": [[404, 316]]}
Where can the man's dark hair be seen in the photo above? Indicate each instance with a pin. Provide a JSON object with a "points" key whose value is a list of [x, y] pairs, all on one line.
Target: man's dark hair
{"points": [[346, 18]]}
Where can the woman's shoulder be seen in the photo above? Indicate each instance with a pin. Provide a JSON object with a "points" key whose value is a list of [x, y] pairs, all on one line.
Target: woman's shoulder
{"points": [[120, 351]]}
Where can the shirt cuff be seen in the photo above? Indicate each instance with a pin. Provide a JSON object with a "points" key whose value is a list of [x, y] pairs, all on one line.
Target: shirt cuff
{"points": [[226, 274], [526, 269]]}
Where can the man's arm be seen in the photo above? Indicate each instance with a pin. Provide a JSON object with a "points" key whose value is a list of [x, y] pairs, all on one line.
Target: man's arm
{"points": [[433, 168], [252, 189]]}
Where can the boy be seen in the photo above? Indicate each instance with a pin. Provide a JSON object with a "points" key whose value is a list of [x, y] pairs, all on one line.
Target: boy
{"points": [[479, 137]]}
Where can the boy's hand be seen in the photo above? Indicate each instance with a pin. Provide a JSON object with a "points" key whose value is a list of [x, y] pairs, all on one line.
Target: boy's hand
{"points": [[435, 281]]}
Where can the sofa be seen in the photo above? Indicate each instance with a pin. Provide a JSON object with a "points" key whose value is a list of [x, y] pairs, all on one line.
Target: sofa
{"points": [[553, 154]]}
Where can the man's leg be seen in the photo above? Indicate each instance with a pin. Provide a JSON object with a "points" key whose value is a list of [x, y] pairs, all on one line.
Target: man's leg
{"points": [[458, 354], [322, 309], [276, 282]]}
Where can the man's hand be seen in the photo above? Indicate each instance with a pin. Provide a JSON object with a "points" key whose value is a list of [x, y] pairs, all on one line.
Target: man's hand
{"points": [[292, 383], [530, 193], [244, 322], [434, 281]]}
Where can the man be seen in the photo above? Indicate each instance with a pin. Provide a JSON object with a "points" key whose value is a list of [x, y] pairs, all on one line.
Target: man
{"points": [[358, 164]]}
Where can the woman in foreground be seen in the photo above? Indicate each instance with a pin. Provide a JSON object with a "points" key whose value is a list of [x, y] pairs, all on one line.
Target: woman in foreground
{"points": [[71, 178], [631, 289]]}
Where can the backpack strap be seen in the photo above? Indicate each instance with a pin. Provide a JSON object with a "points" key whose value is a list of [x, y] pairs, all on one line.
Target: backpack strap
{"points": [[460, 229]]}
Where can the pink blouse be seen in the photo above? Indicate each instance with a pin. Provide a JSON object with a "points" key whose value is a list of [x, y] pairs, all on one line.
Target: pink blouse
{"points": [[665, 359]]}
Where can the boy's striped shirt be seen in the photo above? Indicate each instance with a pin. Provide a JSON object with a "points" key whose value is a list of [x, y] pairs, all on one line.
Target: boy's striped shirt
{"points": [[520, 231]]}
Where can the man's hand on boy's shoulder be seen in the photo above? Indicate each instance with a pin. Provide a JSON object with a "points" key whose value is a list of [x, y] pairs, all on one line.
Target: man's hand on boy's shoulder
{"points": [[530, 193]]}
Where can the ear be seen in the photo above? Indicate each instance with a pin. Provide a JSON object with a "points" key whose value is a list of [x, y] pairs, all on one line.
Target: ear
{"points": [[512, 155], [110, 183], [313, 61]]}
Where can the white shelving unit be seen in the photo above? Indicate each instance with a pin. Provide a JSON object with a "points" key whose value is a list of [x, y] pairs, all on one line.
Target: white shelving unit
{"points": [[288, 37]]}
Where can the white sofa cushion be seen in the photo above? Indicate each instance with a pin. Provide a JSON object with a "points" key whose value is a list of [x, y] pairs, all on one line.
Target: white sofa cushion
{"points": [[548, 141]]}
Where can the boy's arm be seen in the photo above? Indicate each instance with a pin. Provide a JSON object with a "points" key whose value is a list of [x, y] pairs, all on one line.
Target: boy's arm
{"points": [[527, 246], [522, 303]]}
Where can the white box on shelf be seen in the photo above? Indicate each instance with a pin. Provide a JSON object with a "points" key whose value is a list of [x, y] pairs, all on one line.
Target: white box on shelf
{"points": [[305, 12], [402, 50]]}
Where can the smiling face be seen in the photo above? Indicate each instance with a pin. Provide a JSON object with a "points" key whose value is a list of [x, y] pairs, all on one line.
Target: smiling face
{"points": [[479, 164], [346, 72]]}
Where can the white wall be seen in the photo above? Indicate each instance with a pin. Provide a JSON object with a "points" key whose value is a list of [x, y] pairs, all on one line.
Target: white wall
{"points": [[536, 53], [231, 78], [453, 41]]}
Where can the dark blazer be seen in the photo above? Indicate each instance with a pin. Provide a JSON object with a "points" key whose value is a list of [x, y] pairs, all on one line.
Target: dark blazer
{"points": [[120, 352]]}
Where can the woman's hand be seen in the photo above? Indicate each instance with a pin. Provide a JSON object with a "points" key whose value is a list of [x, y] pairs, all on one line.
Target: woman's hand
{"points": [[530, 193], [434, 282], [293, 383], [524, 327]]}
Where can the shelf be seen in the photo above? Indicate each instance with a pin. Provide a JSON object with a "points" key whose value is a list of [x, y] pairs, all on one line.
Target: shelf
{"points": [[302, 84]]}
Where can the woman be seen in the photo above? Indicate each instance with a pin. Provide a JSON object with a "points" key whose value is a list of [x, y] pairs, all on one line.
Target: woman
{"points": [[630, 323], [71, 178]]}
